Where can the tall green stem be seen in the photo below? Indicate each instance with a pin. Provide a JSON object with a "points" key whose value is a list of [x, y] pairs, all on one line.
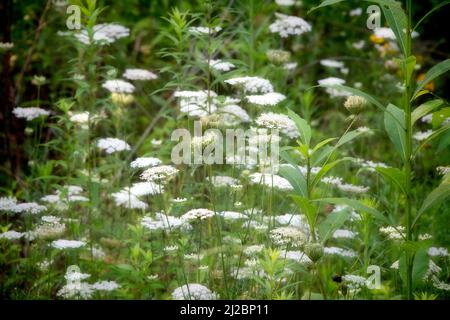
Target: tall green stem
{"points": [[408, 160]]}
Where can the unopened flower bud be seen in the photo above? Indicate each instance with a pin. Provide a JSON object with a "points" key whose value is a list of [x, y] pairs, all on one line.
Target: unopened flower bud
{"points": [[355, 104], [314, 251]]}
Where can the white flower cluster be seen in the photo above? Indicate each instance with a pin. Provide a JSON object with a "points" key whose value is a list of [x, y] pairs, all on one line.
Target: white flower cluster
{"points": [[104, 33], [197, 103], [30, 113], [345, 187], [204, 30], [223, 181], [10, 204], [220, 65], [397, 233], [145, 162], [437, 252], [344, 234], [288, 235], [197, 215], [233, 115], [422, 135], [193, 291], [62, 244], [286, 25], [161, 222], [251, 84], [162, 173], [111, 145], [268, 99], [118, 86], [128, 200], [139, 74], [297, 256], [333, 81], [271, 181], [335, 251], [278, 121], [75, 288], [60, 199], [11, 235], [232, 215]]}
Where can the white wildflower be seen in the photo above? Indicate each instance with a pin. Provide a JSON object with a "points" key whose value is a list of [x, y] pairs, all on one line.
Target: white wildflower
{"points": [[30, 113], [193, 291], [111, 145], [286, 25], [139, 74]]}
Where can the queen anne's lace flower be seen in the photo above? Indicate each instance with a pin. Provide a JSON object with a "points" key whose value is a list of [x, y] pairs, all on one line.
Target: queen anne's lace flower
{"points": [[111, 145], [268, 99], [289, 25], [197, 215], [30, 113], [139, 74], [220, 65], [104, 33], [145, 162], [160, 173], [193, 291], [161, 222], [105, 286], [62, 244], [271, 181], [437, 252], [128, 200], [11, 235], [278, 121], [251, 84], [118, 86], [288, 235], [335, 251]]}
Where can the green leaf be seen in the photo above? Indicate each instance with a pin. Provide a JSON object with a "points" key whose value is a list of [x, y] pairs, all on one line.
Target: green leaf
{"points": [[430, 12], [306, 207], [292, 174], [425, 109], [407, 66], [357, 205], [431, 137], [333, 222], [432, 74], [349, 136], [397, 20], [420, 266], [395, 176], [323, 143], [440, 116], [325, 169], [394, 122], [355, 92], [436, 197], [302, 126]]}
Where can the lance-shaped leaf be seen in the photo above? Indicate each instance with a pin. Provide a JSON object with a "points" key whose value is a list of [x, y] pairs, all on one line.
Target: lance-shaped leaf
{"points": [[292, 174], [436, 197], [397, 20], [425, 109], [419, 269], [394, 176], [333, 222], [325, 169], [302, 126], [432, 74], [307, 208], [357, 205], [394, 122], [431, 137]]}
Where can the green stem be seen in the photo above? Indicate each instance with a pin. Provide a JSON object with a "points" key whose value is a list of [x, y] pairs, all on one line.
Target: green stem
{"points": [[408, 160]]}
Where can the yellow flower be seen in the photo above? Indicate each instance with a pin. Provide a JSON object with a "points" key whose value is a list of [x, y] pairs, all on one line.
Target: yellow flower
{"points": [[376, 39], [429, 86]]}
